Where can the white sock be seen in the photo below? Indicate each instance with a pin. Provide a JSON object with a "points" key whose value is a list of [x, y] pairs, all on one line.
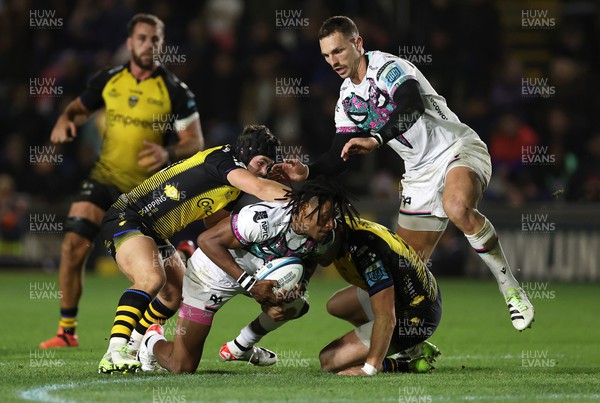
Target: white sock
{"points": [[493, 257], [248, 337], [115, 343], [152, 340], [135, 340]]}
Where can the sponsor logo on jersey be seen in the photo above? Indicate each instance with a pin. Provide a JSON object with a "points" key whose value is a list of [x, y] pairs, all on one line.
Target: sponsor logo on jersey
{"points": [[133, 100], [171, 192], [112, 118], [157, 102], [417, 300], [113, 93], [260, 215], [392, 75], [382, 69], [206, 204], [153, 204], [375, 273]]}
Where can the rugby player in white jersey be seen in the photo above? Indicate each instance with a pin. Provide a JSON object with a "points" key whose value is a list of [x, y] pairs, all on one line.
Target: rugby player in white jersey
{"points": [[385, 99], [223, 266]]}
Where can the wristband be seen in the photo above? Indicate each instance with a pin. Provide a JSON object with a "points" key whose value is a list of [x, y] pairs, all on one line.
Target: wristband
{"points": [[369, 369], [246, 281], [378, 137]]}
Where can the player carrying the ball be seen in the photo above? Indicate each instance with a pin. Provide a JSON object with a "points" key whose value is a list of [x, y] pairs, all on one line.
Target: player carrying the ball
{"points": [[224, 265]]}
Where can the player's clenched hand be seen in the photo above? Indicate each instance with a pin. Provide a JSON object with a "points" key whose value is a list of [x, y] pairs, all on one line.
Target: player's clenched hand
{"points": [[64, 131], [262, 292], [358, 145], [153, 156], [289, 170]]}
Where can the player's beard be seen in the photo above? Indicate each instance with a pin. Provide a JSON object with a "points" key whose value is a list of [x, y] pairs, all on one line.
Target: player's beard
{"points": [[144, 65]]}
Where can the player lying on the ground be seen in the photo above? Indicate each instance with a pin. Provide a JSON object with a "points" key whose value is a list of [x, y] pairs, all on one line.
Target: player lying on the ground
{"points": [[394, 302], [241, 244], [137, 227]]}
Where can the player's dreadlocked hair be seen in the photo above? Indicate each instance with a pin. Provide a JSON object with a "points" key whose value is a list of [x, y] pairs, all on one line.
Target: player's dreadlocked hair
{"points": [[324, 190]]}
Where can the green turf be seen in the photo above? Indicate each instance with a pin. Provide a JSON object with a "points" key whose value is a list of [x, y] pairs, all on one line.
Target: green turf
{"points": [[484, 358]]}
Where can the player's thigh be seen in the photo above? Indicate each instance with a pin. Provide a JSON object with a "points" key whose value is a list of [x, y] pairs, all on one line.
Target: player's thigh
{"points": [[351, 304], [188, 345], [138, 258], [463, 186], [342, 353]]}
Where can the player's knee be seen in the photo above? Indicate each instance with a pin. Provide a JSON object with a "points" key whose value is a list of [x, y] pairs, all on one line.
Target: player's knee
{"points": [[74, 247], [334, 307], [152, 282], [458, 210], [183, 367], [325, 360]]}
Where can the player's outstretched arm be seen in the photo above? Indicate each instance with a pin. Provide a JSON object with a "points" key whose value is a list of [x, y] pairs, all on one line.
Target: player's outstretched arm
{"points": [[65, 128], [264, 189], [381, 336], [215, 243]]}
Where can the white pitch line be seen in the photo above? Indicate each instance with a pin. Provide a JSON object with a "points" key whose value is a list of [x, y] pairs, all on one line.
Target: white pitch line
{"points": [[42, 393]]}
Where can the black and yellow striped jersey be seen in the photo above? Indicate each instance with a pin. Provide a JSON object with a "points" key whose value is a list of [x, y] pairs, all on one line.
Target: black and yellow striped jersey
{"points": [[376, 258], [135, 111], [189, 190]]}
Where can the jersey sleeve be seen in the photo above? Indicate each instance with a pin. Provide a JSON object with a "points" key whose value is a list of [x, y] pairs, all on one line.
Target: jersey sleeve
{"points": [[183, 102], [372, 261], [220, 162], [91, 97], [252, 225], [393, 73], [343, 124]]}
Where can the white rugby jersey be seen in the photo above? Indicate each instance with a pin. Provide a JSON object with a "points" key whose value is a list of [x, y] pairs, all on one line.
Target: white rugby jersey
{"points": [[368, 105], [265, 231]]}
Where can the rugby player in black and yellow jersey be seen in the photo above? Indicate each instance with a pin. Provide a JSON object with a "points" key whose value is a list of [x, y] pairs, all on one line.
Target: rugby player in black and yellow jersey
{"points": [[141, 99], [394, 302], [137, 227]]}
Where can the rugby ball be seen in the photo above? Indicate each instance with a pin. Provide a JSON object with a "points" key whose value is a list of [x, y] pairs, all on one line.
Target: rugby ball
{"points": [[287, 271]]}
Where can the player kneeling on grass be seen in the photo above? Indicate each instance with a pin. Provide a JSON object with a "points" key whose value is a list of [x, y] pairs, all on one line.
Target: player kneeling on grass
{"points": [[137, 227], [224, 265], [394, 302]]}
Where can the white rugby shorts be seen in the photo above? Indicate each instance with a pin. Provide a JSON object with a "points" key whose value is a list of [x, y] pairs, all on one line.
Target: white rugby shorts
{"points": [[421, 206]]}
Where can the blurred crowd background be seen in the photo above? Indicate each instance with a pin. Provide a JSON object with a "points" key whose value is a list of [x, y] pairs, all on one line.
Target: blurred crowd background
{"points": [[531, 92]]}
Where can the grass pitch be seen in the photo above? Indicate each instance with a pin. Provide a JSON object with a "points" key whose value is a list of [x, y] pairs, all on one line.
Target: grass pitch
{"points": [[484, 358]]}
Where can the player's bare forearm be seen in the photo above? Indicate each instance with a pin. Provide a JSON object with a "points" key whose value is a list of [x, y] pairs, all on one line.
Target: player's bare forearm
{"points": [[380, 340], [385, 321], [264, 189]]}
